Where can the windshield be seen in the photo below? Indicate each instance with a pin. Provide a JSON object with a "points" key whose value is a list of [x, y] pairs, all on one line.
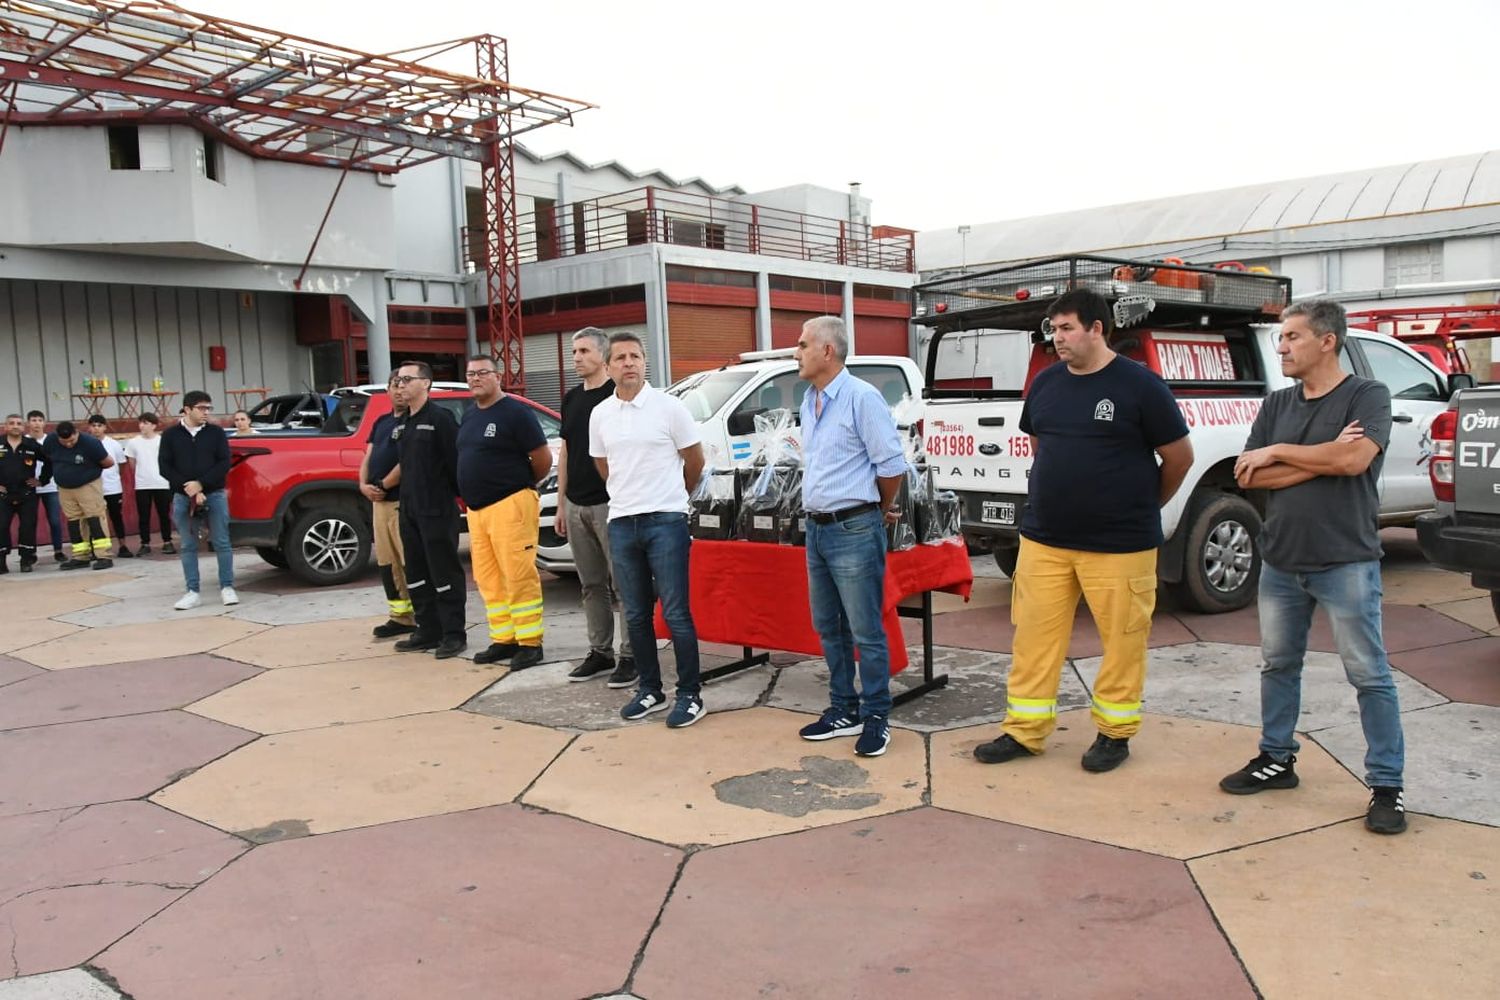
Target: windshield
{"points": [[707, 395]]}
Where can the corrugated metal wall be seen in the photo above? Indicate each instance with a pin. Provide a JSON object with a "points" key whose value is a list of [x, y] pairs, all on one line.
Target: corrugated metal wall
{"points": [[53, 335]]}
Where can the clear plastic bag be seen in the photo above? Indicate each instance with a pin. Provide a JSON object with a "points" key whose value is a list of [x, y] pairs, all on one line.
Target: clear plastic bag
{"points": [[714, 503], [913, 500], [946, 523], [771, 486]]}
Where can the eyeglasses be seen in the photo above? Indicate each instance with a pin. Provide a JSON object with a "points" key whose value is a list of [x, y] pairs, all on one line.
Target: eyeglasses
{"points": [[205, 407], [479, 373], [409, 379]]}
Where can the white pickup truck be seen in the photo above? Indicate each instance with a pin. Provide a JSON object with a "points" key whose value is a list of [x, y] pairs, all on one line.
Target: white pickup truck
{"points": [[1210, 334]]}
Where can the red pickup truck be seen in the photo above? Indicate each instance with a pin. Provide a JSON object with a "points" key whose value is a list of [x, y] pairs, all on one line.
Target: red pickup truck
{"points": [[294, 497]]}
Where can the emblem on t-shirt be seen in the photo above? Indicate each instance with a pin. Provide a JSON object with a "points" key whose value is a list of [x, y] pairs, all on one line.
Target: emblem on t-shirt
{"points": [[1105, 410], [489, 430]]}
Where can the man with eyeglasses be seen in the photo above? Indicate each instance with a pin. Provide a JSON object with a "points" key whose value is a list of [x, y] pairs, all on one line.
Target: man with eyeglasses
{"points": [[427, 448], [194, 460], [502, 455], [380, 465]]}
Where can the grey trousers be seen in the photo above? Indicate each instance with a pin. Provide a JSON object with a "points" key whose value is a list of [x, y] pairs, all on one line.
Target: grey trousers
{"points": [[588, 537]]}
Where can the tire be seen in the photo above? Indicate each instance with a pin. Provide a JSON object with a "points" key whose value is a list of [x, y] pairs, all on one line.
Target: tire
{"points": [[272, 555], [1006, 557], [1221, 562], [328, 545]]}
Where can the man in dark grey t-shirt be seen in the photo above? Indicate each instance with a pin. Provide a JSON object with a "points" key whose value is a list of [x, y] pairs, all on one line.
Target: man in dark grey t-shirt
{"points": [[1317, 446]]}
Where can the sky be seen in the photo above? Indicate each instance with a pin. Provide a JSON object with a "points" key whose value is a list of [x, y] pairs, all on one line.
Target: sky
{"points": [[952, 113]]}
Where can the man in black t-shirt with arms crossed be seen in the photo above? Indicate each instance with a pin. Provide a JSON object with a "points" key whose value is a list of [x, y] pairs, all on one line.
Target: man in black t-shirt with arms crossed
{"points": [[1318, 446], [583, 514], [427, 442], [1092, 526]]}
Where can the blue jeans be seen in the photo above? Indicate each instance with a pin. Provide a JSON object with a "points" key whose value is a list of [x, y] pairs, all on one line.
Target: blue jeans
{"points": [[846, 585], [52, 505], [1350, 595], [649, 553], [216, 509]]}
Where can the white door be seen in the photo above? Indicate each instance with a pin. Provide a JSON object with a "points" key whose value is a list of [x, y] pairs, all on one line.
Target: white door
{"points": [[1418, 394]]}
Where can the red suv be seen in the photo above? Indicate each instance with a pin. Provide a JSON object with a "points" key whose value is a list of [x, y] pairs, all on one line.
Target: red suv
{"points": [[295, 497]]}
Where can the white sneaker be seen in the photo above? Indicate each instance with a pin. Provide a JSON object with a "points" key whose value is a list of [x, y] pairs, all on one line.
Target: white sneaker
{"points": [[188, 601], [229, 596]]}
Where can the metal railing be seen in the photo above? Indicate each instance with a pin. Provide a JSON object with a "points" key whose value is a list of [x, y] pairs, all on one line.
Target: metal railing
{"points": [[655, 215]]}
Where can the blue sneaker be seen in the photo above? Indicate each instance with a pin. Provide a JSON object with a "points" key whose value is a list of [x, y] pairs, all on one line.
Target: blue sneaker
{"points": [[688, 710], [643, 704], [874, 738], [835, 722]]}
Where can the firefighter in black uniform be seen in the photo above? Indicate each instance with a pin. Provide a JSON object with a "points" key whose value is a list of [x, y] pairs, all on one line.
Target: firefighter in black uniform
{"points": [[427, 441], [20, 458]]}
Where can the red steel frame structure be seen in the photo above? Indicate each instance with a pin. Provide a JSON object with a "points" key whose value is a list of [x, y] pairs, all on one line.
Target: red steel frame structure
{"points": [[281, 96]]}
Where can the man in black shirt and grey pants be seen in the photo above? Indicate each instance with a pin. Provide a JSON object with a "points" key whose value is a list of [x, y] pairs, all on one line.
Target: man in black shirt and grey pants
{"points": [[583, 514], [427, 442]]}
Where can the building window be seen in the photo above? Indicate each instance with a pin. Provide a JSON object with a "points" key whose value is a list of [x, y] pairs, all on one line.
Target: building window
{"points": [[580, 234], [545, 218], [211, 159], [816, 286], [124, 147], [1413, 264], [710, 276]]}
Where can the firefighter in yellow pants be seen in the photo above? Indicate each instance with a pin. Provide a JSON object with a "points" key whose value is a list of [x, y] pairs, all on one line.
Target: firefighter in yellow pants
{"points": [[502, 544], [84, 511], [1098, 423], [379, 467], [502, 456], [1120, 588]]}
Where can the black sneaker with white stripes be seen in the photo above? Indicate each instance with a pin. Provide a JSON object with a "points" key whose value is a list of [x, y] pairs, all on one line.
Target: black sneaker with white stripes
{"points": [[1387, 812], [1260, 774]]}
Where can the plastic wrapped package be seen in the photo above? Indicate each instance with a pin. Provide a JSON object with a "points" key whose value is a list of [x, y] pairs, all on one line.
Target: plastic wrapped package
{"points": [[944, 523], [903, 534], [714, 505], [764, 491], [791, 521]]}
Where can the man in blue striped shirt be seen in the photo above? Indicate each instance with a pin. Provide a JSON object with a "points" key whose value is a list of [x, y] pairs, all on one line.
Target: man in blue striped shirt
{"points": [[852, 466]]}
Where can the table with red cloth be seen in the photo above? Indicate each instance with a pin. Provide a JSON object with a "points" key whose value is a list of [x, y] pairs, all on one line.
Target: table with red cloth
{"points": [[754, 595]]}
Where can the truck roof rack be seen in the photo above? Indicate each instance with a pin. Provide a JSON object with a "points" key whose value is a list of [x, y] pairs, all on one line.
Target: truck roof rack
{"points": [[1163, 293]]}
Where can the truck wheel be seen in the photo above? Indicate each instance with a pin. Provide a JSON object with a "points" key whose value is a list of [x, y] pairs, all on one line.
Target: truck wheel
{"points": [[1006, 557], [1221, 564], [272, 555], [328, 545]]}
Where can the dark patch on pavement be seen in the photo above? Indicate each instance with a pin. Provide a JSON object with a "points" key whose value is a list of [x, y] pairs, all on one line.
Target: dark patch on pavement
{"points": [[282, 829], [817, 786]]}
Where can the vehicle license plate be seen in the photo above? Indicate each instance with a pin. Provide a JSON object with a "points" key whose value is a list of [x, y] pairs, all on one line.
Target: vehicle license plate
{"points": [[998, 512]]}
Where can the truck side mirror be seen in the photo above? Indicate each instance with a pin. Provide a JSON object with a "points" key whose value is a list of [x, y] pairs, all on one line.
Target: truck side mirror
{"points": [[743, 421], [1461, 380]]}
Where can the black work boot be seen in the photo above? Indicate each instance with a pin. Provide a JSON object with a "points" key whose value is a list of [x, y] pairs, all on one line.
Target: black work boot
{"points": [[1106, 754]]}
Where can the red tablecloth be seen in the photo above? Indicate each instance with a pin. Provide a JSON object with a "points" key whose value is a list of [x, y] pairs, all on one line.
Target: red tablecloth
{"points": [[755, 594]]}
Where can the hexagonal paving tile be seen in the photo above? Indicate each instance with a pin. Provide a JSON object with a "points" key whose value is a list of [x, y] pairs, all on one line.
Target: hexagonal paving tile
{"points": [[499, 901], [1164, 799], [1462, 671], [383, 687], [1476, 612], [1341, 912], [1405, 627], [306, 644], [975, 691], [116, 689], [12, 670], [154, 640], [40, 603], [733, 776], [21, 634], [72, 984], [934, 904], [106, 760], [1221, 683], [1423, 584], [1451, 767], [73, 881], [320, 780]]}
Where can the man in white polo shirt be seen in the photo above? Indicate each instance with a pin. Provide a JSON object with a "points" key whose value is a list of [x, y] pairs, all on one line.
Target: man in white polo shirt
{"points": [[647, 447]]}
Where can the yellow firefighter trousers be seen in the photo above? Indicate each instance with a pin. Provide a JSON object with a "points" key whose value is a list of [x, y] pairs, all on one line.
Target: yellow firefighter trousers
{"points": [[502, 544], [1120, 588], [390, 557]]}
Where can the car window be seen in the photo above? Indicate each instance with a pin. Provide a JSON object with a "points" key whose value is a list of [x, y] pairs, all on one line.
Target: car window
{"points": [[347, 415], [457, 407], [1404, 375], [708, 395], [890, 380], [551, 426], [782, 392]]}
